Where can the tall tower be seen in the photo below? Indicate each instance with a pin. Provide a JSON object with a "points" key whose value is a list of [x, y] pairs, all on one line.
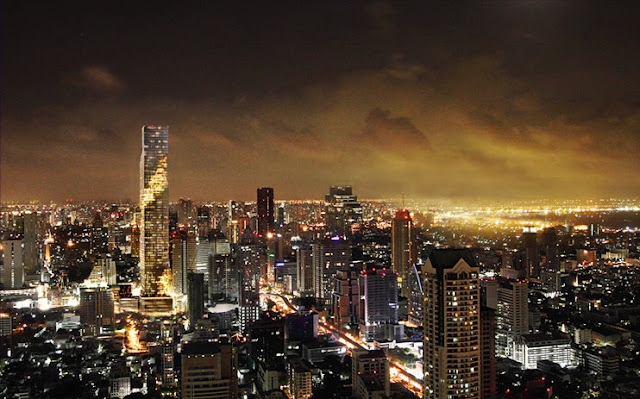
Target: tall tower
{"points": [[183, 259], [154, 221], [12, 276], [266, 211], [402, 249], [451, 325], [30, 243]]}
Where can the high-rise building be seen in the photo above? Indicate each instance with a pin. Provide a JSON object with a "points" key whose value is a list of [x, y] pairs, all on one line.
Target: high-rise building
{"points": [[209, 371], [30, 243], [183, 259], [203, 221], [304, 267], [346, 298], [154, 221], [167, 363], [403, 252], [186, 213], [249, 258], [342, 210], [195, 296], [12, 264], [281, 216], [488, 374], [96, 309], [532, 256], [451, 325], [512, 315], [266, 342], [416, 295], [301, 326], [104, 271], [223, 273], [370, 374], [329, 256], [266, 211], [379, 306]]}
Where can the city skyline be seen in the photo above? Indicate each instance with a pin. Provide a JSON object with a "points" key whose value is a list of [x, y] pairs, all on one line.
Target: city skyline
{"points": [[494, 100]]}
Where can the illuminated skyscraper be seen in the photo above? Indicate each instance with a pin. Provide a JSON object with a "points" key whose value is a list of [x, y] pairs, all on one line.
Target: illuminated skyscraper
{"points": [[403, 251], [154, 223], [451, 325], [266, 211]]}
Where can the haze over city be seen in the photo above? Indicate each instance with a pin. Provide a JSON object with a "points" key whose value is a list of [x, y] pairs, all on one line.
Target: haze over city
{"points": [[514, 100]]}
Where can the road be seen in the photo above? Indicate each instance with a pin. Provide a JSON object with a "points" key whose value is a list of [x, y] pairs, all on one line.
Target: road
{"points": [[397, 370]]}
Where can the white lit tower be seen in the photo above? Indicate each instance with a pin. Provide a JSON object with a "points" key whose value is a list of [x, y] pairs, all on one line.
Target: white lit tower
{"points": [[154, 221]]}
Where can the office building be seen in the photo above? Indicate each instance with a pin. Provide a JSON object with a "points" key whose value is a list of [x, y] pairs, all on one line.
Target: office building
{"points": [[209, 371], [195, 297], [379, 305], [167, 363], [512, 314], [154, 220], [329, 256], [186, 213], [266, 211], [345, 307], [451, 325], [416, 295], [488, 384], [529, 349], [603, 361], [299, 376], [305, 271], [532, 255], [97, 309], [301, 326], [12, 264], [5, 325], [183, 259], [31, 243], [223, 270], [249, 258], [370, 374], [403, 251], [104, 271], [342, 210]]}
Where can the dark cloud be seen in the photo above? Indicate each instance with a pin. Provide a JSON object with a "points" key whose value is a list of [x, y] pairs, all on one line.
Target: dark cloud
{"points": [[387, 133], [491, 100], [99, 79]]}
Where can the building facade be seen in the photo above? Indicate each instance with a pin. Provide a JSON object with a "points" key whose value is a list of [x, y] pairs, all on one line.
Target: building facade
{"points": [[451, 325], [154, 221]]}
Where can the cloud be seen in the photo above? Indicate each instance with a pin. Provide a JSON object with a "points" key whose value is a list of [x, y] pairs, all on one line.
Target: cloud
{"points": [[381, 15], [384, 132], [100, 79], [467, 129]]}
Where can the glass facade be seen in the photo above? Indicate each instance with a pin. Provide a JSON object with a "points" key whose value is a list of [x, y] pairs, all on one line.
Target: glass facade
{"points": [[154, 209]]}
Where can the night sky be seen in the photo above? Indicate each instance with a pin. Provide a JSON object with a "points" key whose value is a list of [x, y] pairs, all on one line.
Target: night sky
{"points": [[491, 100]]}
